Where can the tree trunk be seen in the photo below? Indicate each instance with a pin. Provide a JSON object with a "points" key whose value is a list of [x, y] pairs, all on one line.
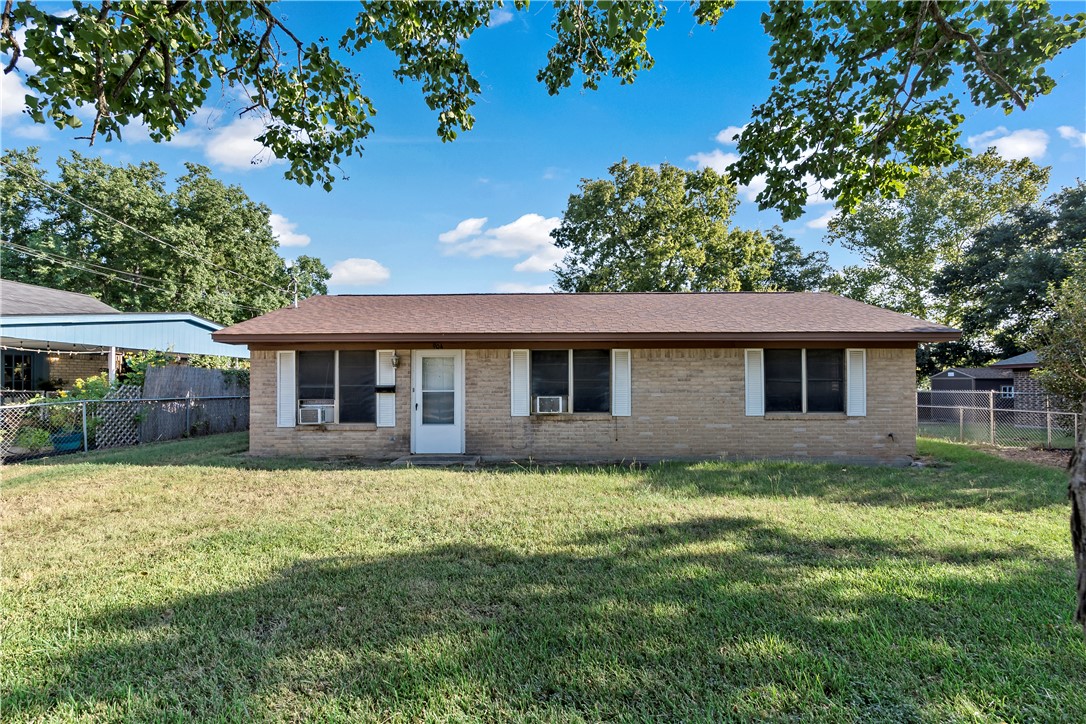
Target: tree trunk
{"points": [[1076, 490]]}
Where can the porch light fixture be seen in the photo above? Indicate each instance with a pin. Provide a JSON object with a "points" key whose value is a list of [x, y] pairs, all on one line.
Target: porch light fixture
{"points": [[395, 360]]}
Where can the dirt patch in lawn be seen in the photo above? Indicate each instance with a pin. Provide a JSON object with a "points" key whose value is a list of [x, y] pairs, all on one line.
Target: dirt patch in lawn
{"points": [[1052, 458]]}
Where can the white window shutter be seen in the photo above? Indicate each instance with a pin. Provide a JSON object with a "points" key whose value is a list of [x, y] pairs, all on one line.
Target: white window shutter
{"points": [[755, 383], [386, 373], [620, 383], [286, 391], [856, 382], [520, 397], [386, 409]]}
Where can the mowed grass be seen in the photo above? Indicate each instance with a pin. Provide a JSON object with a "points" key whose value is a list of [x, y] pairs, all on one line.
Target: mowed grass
{"points": [[184, 581]]}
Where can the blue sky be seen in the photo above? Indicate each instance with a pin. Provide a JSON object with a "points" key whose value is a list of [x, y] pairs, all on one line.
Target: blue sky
{"points": [[419, 215]]}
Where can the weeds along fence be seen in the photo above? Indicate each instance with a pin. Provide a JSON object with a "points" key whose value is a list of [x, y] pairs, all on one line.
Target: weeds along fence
{"points": [[1007, 419], [56, 428]]}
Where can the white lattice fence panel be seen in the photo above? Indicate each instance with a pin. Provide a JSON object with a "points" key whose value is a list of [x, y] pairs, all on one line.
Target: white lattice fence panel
{"points": [[116, 420]]}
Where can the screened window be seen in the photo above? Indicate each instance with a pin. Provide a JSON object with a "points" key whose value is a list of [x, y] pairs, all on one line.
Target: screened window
{"points": [[356, 395], [583, 376], [825, 380], [316, 375], [357, 378], [804, 380]]}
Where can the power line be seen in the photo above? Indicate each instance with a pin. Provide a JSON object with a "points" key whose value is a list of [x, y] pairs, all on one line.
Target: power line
{"points": [[126, 225], [30, 252], [84, 261]]}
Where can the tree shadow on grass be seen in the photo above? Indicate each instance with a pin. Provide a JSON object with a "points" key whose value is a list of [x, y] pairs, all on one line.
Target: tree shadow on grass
{"points": [[706, 619], [969, 483]]}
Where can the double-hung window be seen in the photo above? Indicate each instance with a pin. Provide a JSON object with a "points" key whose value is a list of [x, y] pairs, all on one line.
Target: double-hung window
{"points": [[345, 380], [581, 376], [804, 380]]}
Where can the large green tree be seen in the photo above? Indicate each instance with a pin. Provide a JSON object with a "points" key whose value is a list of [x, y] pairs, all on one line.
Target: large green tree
{"points": [[1004, 276], [904, 242], [206, 248], [861, 98], [666, 230]]}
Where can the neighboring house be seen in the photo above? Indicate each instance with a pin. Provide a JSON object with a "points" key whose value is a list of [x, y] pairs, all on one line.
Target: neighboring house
{"points": [[1031, 401], [46, 334], [946, 387], [585, 376]]}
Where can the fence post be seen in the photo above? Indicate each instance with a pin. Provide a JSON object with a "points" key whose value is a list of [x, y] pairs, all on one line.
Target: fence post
{"points": [[961, 424], [188, 417], [991, 417], [1048, 422], [86, 443]]}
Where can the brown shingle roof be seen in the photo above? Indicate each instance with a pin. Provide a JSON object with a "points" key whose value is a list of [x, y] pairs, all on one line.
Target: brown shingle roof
{"points": [[721, 316], [17, 298]]}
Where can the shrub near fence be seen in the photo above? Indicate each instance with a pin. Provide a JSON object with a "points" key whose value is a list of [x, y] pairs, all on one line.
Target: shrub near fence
{"points": [[1007, 419], [54, 428]]}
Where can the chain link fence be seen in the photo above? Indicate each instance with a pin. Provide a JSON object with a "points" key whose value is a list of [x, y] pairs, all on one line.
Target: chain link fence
{"points": [[56, 428], [1007, 419]]}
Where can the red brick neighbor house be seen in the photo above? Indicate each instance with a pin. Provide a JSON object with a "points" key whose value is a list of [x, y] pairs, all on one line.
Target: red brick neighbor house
{"points": [[585, 376]]}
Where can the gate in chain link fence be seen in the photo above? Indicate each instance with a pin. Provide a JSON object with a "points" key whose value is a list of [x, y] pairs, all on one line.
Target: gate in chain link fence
{"points": [[1007, 419], [55, 428]]}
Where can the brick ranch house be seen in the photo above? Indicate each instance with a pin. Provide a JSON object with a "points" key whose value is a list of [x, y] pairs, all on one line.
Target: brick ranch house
{"points": [[585, 376]]}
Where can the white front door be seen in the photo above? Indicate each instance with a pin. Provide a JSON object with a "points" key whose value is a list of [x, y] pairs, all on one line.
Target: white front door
{"points": [[437, 391]]}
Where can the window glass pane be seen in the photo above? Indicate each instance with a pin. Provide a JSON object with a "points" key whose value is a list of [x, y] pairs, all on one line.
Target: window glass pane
{"points": [[437, 373], [316, 375], [550, 372], [783, 380], [357, 376], [825, 380], [437, 407], [591, 380]]}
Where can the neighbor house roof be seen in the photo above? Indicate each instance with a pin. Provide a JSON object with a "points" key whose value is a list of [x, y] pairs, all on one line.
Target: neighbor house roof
{"points": [[1026, 360], [17, 298], [615, 318], [977, 373]]}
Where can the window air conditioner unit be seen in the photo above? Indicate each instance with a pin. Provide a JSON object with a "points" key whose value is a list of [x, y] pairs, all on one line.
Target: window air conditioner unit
{"points": [[315, 414], [550, 404]]}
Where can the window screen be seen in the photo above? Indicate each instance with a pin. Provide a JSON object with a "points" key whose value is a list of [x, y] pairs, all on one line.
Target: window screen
{"points": [[357, 377], [550, 372], [784, 380], [591, 380], [825, 380], [316, 375]]}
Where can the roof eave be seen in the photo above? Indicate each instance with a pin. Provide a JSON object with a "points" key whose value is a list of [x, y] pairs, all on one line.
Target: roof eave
{"points": [[658, 339]]}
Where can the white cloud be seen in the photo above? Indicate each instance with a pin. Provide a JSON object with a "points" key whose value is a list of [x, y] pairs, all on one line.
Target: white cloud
{"points": [[235, 146], [1072, 134], [716, 159], [543, 260], [358, 272], [32, 132], [283, 229], [1012, 145], [528, 237], [821, 222], [500, 17], [518, 288], [466, 228], [730, 135], [529, 234], [12, 95]]}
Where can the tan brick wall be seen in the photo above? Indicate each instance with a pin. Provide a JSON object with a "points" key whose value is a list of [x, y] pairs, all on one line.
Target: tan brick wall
{"points": [[687, 403], [77, 367], [363, 440]]}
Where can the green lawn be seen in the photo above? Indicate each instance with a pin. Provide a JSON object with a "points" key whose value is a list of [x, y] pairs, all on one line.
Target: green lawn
{"points": [[183, 581]]}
